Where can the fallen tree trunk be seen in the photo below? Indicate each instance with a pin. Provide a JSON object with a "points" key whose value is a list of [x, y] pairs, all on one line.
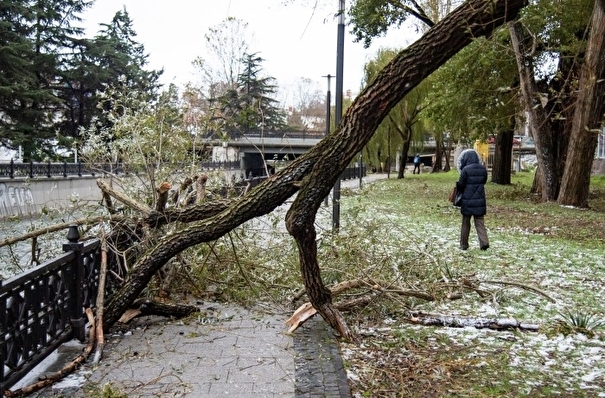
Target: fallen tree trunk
{"points": [[314, 173]]}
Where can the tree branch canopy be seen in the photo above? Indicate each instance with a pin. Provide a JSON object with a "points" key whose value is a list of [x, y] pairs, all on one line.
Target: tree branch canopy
{"points": [[315, 172]]}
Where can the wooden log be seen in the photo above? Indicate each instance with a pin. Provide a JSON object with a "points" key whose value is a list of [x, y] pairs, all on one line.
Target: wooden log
{"points": [[428, 319], [100, 336], [150, 307]]}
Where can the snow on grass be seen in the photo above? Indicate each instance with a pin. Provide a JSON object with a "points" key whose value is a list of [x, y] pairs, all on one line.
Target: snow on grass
{"points": [[570, 272]]}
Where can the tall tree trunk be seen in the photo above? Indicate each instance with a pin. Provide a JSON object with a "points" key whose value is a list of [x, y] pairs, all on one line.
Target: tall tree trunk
{"points": [[404, 159], [503, 157], [438, 163], [588, 115], [539, 122], [447, 151], [315, 172], [406, 137]]}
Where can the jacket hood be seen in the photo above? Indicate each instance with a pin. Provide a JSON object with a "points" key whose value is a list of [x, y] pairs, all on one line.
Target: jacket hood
{"points": [[468, 156]]}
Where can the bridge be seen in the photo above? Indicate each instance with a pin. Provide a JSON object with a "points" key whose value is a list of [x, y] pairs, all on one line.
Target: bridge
{"points": [[256, 150]]}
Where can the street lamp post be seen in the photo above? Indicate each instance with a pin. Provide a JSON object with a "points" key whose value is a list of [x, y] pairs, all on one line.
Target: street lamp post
{"points": [[339, 89]]}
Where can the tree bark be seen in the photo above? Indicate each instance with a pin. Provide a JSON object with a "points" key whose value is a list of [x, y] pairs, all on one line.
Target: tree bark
{"points": [[588, 116], [314, 173], [438, 163]]}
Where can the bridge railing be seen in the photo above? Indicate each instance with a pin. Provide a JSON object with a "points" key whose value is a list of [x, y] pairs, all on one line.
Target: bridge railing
{"points": [[44, 307], [279, 134], [14, 169]]}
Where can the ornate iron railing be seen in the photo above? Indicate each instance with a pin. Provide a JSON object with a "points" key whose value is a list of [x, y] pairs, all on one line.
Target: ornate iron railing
{"points": [[44, 307], [14, 169]]}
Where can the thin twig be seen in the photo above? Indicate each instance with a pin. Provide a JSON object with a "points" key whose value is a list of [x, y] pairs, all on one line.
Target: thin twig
{"points": [[100, 302], [59, 227], [239, 265], [523, 286]]}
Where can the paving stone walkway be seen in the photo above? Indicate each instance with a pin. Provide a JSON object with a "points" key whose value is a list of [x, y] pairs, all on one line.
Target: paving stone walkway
{"points": [[226, 351], [319, 371]]}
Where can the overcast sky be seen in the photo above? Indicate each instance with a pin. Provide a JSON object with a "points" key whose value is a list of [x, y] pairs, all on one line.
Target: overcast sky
{"points": [[294, 40]]}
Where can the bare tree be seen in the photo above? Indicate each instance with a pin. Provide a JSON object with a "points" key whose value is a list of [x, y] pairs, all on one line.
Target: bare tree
{"points": [[309, 109], [226, 45]]}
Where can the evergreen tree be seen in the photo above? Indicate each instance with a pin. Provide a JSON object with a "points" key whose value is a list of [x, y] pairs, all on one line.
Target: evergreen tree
{"points": [[16, 74], [36, 34], [51, 77], [252, 102], [121, 55], [113, 58]]}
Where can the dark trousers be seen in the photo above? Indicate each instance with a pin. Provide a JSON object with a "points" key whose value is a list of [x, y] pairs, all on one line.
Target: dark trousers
{"points": [[416, 167], [466, 229]]}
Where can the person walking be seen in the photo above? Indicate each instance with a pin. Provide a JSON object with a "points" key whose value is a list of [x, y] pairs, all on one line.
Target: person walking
{"points": [[416, 164], [472, 180]]}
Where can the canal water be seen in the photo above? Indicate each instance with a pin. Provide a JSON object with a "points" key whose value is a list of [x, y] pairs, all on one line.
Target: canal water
{"points": [[21, 256]]}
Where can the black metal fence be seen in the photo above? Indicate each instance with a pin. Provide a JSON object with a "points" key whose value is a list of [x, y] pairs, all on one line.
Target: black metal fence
{"points": [[349, 173], [352, 172], [47, 169], [44, 307]]}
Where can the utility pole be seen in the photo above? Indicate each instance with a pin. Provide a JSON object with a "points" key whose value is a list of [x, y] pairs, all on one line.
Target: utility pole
{"points": [[339, 83]]}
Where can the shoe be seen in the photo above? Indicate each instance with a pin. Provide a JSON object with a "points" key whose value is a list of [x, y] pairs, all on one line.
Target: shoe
{"points": [[463, 247], [485, 247]]}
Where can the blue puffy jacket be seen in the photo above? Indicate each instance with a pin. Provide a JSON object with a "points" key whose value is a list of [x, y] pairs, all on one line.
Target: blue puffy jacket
{"points": [[471, 183]]}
